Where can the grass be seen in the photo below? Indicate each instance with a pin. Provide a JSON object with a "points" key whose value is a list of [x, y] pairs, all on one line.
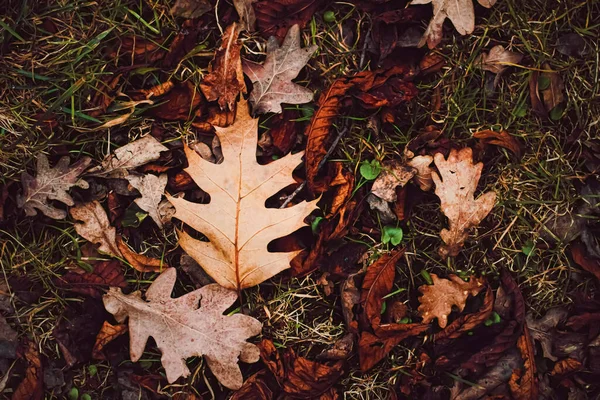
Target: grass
{"points": [[54, 59]]}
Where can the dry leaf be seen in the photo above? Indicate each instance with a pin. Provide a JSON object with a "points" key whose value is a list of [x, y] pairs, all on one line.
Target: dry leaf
{"points": [[455, 186], [460, 12], [502, 139], [226, 78], [394, 174], [152, 188], [499, 59], [423, 175], [107, 334], [32, 386], [236, 221], [183, 328], [95, 227], [139, 262], [254, 388], [104, 275], [566, 366], [246, 13], [524, 382], [544, 329], [554, 94], [437, 299], [275, 17], [51, 184], [130, 156], [180, 104], [273, 80], [190, 8]]}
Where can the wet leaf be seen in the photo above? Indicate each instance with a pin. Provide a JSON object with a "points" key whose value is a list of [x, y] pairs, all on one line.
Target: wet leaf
{"points": [[455, 186], [236, 221], [95, 283], [51, 184], [187, 326], [272, 80], [437, 299]]}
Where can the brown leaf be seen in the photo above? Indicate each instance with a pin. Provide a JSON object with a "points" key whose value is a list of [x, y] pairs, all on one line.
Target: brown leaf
{"points": [[393, 174], [284, 131], [236, 221], [350, 296], [340, 350], [460, 12], [179, 104], [431, 63], [255, 388], [272, 81], [226, 78], [499, 59], [566, 366], [246, 13], [182, 328], [388, 88], [455, 186], [190, 8], [544, 329], [51, 184], [276, 17], [422, 165], [32, 386], [377, 283], [139, 262], [158, 90], [502, 139], [466, 323], [524, 382], [138, 50], [95, 227], [95, 283], [341, 187], [590, 264], [107, 334], [555, 93], [152, 188], [534, 95], [104, 96], [437, 299]]}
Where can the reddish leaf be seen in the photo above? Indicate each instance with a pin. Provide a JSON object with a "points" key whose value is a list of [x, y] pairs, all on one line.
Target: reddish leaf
{"points": [[137, 50], [524, 383], [254, 388], [502, 139], [580, 257], [275, 17], [107, 334], [566, 366], [32, 386], [139, 262], [179, 104], [577, 322], [104, 275], [104, 96]]}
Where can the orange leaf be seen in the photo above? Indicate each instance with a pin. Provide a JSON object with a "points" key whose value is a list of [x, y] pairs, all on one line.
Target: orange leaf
{"points": [[32, 386], [566, 366], [107, 334], [138, 261], [104, 275], [524, 383]]}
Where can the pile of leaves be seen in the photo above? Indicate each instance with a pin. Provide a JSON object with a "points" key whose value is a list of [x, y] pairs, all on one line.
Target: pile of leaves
{"points": [[239, 167]]}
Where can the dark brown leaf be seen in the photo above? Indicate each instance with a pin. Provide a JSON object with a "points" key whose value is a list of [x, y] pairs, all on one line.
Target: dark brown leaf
{"points": [[254, 388], [107, 334], [340, 350], [94, 284], [179, 103], [32, 386], [566, 366], [502, 139], [555, 93], [590, 264], [138, 50], [543, 329], [190, 8], [534, 95], [275, 17], [524, 382]]}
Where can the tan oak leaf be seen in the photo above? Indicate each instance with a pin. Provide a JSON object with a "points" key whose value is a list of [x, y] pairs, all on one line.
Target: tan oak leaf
{"points": [[460, 12], [95, 227], [437, 299], [498, 59], [192, 325], [51, 184], [236, 221], [455, 186], [152, 188], [273, 80]]}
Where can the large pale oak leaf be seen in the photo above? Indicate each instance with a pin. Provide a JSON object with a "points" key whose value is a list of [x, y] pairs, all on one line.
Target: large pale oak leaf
{"points": [[236, 222], [192, 325]]}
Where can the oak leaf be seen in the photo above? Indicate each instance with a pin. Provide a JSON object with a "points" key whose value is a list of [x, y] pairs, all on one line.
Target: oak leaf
{"points": [[152, 188], [183, 328], [107, 334], [455, 186], [273, 80], [51, 184], [498, 59], [437, 299], [226, 78], [236, 222], [460, 12], [95, 227]]}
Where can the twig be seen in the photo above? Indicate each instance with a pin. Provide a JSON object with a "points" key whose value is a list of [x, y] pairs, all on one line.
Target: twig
{"points": [[321, 163]]}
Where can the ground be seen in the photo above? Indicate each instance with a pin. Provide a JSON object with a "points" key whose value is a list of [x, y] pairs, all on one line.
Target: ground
{"points": [[55, 55]]}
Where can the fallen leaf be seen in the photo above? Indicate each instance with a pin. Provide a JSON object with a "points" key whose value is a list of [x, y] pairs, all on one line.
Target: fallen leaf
{"points": [[571, 44], [183, 328], [394, 174], [459, 12], [130, 156], [566, 366], [95, 283], [340, 350], [246, 13], [534, 95], [254, 388], [8, 340], [139, 262], [180, 103], [158, 90], [524, 382], [378, 282], [107, 334], [554, 94], [32, 386], [104, 96], [498, 59], [51, 184], [422, 165], [137, 50], [152, 188], [190, 8], [437, 299], [131, 105], [236, 221], [581, 258], [350, 297], [455, 186], [95, 227], [502, 139], [543, 329], [276, 17], [272, 81], [226, 78]]}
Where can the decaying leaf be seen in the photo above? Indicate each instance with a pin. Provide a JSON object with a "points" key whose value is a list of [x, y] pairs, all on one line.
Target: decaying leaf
{"points": [[393, 174], [191, 325], [566, 366], [105, 274], [499, 59], [32, 386], [502, 139], [273, 80], [460, 12], [130, 156], [226, 78], [152, 188], [236, 221], [139, 262], [544, 329], [179, 104], [524, 381], [190, 8], [554, 94], [95, 227], [422, 165], [437, 299], [246, 13], [254, 388], [107, 334], [51, 184], [276, 17], [455, 186]]}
